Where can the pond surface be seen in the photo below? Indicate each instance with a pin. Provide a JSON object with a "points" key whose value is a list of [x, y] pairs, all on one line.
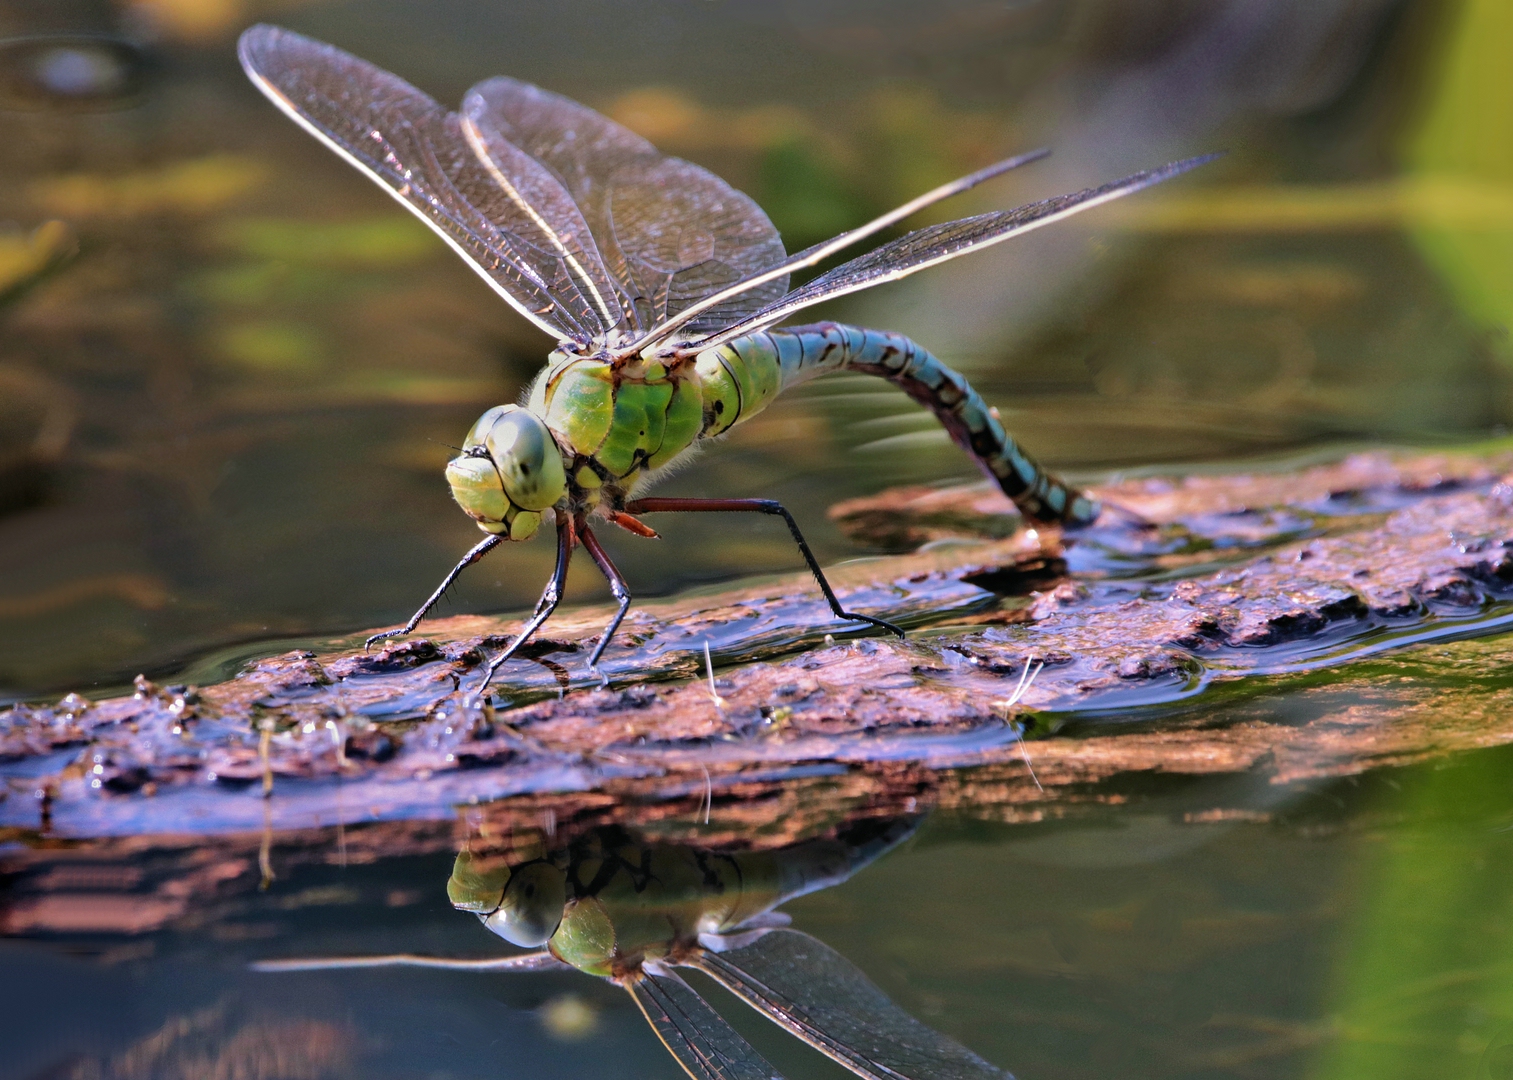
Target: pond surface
{"points": [[1196, 929], [231, 372]]}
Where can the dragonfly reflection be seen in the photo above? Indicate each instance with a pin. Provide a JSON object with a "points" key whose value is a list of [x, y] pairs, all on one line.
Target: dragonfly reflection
{"points": [[632, 912]]}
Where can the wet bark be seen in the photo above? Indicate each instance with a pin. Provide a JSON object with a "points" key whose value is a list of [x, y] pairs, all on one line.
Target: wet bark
{"points": [[1238, 585]]}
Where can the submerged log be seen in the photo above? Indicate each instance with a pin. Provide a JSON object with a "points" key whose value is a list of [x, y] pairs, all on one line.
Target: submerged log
{"points": [[1239, 580], [1400, 710]]}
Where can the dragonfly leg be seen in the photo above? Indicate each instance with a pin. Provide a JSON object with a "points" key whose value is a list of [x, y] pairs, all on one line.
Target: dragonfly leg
{"points": [[551, 596], [1131, 517], [479, 550], [536, 961], [617, 586], [761, 506], [631, 525]]}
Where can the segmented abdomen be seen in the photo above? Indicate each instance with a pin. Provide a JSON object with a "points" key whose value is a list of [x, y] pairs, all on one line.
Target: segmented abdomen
{"points": [[743, 376]]}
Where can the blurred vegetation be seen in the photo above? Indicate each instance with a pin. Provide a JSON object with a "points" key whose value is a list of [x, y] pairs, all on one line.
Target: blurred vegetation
{"points": [[1425, 978], [199, 186], [26, 257], [1462, 144]]}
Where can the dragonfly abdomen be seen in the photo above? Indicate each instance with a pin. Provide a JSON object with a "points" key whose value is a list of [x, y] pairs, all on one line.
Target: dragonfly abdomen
{"points": [[782, 358]]}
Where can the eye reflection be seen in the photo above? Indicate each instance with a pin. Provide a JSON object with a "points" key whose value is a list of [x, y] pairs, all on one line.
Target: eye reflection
{"points": [[531, 908]]}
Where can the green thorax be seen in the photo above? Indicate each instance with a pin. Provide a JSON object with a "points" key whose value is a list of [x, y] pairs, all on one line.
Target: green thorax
{"points": [[615, 424]]}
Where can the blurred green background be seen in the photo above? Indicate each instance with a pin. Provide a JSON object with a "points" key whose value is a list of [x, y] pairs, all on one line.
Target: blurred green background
{"points": [[231, 368]]}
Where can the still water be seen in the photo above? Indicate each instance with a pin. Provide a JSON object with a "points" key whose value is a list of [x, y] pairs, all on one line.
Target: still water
{"points": [[1197, 929], [231, 371]]}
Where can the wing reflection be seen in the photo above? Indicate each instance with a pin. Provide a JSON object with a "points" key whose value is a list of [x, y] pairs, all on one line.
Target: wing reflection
{"points": [[705, 1045], [807, 987]]}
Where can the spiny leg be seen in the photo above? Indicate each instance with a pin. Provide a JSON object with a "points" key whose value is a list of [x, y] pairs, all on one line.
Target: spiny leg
{"points": [[760, 506], [479, 550], [617, 587], [551, 596]]}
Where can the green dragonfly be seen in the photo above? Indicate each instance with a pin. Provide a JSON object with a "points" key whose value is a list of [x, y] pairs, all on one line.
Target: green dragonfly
{"points": [[663, 287], [610, 905]]}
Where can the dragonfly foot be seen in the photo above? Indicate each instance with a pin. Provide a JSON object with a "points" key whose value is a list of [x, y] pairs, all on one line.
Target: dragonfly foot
{"points": [[480, 692], [366, 645], [884, 623]]}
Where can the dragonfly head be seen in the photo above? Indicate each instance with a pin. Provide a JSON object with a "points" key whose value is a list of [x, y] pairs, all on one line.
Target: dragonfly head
{"points": [[531, 909], [477, 884], [523, 904], [510, 470]]}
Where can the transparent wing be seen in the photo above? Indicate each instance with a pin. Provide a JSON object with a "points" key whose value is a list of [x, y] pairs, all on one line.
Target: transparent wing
{"points": [[817, 253], [536, 961], [705, 1045], [824, 999], [670, 232], [509, 217], [939, 243]]}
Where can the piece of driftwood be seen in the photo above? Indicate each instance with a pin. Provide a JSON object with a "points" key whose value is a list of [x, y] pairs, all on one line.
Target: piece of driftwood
{"points": [[1237, 581], [1395, 710]]}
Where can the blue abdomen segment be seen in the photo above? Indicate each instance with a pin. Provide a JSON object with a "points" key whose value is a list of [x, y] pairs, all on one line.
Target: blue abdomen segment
{"points": [[803, 352]]}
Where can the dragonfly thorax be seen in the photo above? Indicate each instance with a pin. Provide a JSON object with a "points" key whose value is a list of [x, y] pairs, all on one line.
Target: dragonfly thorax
{"points": [[617, 419]]}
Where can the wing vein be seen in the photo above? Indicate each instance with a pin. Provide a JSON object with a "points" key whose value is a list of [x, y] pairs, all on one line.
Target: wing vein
{"points": [[936, 244], [582, 275], [813, 256], [420, 155]]}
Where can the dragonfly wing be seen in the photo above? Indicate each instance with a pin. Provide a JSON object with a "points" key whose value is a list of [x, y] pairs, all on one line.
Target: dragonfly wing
{"points": [[525, 238], [705, 1045], [939, 243], [818, 253], [670, 232], [820, 996]]}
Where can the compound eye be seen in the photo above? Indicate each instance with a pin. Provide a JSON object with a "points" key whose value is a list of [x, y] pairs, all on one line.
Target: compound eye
{"points": [[477, 885], [532, 907], [476, 487], [527, 457], [480, 430]]}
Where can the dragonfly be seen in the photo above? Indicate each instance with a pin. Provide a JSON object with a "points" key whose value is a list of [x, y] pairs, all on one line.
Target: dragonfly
{"points": [[633, 912], [663, 287]]}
